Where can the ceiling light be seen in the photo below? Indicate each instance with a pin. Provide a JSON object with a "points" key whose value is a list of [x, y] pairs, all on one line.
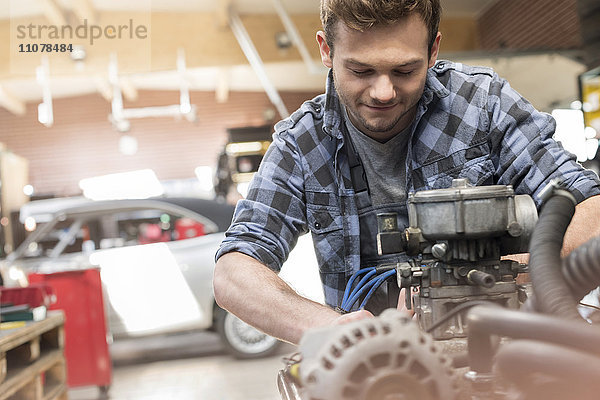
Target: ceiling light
{"points": [[283, 40], [28, 190], [128, 145]]}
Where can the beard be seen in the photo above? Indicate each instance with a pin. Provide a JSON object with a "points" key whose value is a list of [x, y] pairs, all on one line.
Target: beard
{"points": [[379, 127]]}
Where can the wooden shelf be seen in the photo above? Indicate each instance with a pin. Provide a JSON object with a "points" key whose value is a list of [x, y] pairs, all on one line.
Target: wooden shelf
{"points": [[32, 362]]}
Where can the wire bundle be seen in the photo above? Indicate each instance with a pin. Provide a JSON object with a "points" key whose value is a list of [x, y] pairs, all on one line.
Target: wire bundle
{"points": [[369, 282]]}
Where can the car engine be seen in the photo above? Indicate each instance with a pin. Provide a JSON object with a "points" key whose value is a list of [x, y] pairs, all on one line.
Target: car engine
{"points": [[477, 333]]}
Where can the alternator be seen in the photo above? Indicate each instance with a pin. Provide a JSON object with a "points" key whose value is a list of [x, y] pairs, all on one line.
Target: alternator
{"points": [[374, 359]]}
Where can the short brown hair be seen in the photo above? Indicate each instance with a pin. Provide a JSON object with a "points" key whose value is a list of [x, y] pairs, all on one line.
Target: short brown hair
{"points": [[364, 14]]}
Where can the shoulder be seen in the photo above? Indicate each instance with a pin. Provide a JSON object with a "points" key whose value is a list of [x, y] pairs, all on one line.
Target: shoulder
{"points": [[444, 67], [303, 130], [307, 117], [457, 76], [474, 83]]}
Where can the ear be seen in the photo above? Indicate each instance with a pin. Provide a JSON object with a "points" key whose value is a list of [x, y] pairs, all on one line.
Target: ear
{"points": [[435, 50], [324, 49]]}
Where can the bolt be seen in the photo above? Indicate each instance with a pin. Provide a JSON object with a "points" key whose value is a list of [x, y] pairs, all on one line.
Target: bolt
{"points": [[439, 250]]}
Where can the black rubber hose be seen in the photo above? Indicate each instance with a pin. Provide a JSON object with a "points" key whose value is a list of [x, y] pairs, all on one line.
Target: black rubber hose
{"points": [[552, 294], [485, 321], [581, 272], [576, 371], [581, 268], [481, 278]]}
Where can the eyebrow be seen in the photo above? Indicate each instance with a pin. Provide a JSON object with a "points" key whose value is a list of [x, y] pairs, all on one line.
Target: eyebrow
{"points": [[408, 63]]}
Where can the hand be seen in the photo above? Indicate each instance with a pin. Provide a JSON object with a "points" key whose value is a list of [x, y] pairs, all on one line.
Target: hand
{"points": [[351, 317], [402, 305]]}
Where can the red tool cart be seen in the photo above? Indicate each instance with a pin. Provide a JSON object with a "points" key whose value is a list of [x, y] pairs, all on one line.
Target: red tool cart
{"points": [[79, 295]]}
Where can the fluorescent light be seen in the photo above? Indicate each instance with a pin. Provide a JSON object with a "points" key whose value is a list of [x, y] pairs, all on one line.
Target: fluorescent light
{"points": [[140, 184], [244, 147]]}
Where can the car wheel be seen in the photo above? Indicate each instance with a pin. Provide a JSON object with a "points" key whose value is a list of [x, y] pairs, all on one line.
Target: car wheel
{"points": [[242, 340]]}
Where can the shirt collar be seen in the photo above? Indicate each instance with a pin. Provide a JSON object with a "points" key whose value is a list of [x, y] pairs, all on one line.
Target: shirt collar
{"points": [[433, 87], [333, 109]]}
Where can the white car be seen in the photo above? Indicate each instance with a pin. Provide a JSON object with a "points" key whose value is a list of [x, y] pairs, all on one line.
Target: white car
{"points": [[156, 260]]}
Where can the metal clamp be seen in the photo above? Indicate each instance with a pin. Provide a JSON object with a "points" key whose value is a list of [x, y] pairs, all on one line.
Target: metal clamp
{"points": [[556, 187]]}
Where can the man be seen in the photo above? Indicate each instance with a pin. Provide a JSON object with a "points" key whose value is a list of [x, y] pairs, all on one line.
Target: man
{"points": [[392, 120]]}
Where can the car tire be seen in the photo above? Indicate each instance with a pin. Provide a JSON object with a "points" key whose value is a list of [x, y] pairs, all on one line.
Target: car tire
{"points": [[242, 340]]}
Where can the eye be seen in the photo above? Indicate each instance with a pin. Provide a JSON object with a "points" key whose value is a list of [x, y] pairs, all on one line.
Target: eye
{"points": [[360, 72], [403, 73]]}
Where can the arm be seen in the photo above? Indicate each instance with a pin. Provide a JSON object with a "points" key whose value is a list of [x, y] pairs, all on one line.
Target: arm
{"points": [[524, 151], [584, 225], [527, 157], [254, 293]]}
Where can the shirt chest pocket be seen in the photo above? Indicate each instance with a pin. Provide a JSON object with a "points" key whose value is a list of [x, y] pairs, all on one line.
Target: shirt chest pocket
{"points": [[473, 163], [325, 222]]}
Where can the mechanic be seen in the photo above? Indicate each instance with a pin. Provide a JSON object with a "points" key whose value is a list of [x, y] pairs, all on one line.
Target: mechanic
{"points": [[392, 120]]}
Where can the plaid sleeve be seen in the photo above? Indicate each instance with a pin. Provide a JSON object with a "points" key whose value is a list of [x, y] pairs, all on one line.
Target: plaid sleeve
{"points": [[266, 224], [523, 151]]}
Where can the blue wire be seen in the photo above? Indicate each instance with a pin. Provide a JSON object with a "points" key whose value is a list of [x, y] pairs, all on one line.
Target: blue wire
{"points": [[351, 295], [363, 281], [350, 302], [355, 276], [351, 281], [379, 280], [347, 305]]}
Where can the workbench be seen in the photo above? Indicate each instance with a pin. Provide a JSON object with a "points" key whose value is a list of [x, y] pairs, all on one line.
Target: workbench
{"points": [[32, 362]]}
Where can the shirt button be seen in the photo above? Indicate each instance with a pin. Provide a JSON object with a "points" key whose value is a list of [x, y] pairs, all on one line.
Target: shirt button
{"points": [[317, 225], [317, 109], [440, 65]]}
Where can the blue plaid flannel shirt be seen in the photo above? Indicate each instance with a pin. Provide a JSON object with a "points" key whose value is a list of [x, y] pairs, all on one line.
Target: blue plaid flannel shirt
{"points": [[470, 124]]}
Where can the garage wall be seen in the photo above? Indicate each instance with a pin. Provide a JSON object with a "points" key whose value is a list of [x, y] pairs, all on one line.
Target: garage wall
{"points": [[82, 142], [530, 25]]}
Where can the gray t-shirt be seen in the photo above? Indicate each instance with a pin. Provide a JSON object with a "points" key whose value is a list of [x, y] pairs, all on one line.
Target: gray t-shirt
{"points": [[384, 164]]}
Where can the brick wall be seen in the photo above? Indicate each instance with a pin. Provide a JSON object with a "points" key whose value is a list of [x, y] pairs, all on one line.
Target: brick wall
{"points": [[82, 142], [530, 25]]}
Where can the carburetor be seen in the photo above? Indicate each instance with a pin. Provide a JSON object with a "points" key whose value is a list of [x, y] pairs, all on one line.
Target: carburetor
{"points": [[455, 239]]}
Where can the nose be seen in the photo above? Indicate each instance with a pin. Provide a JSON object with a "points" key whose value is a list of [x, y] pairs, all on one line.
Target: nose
{"points": [[382, 90]]}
